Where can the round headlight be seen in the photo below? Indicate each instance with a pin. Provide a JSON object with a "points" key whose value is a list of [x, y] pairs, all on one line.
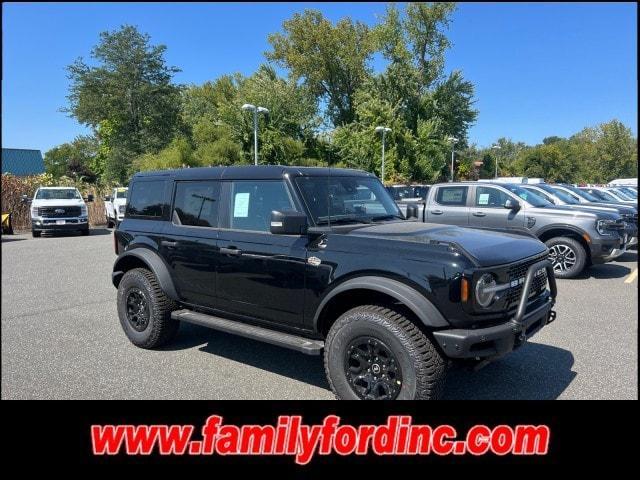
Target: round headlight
{"points": [[484, 297]]}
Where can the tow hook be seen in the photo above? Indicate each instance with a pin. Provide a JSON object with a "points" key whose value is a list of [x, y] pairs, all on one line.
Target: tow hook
{"points": [[552, 316]]}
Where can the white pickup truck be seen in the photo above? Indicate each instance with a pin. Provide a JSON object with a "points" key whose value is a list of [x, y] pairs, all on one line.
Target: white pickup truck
{"points": [[114, 206], [55, 209]]}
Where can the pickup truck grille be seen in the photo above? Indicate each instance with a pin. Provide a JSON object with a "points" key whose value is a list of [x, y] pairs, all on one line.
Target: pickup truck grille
{"points": [[517, 273], [58, 212], [630, 218]]}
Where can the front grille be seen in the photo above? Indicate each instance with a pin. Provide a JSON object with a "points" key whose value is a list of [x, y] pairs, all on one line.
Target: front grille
{"points": [[62, 212], [630, 217], [517, 273]]}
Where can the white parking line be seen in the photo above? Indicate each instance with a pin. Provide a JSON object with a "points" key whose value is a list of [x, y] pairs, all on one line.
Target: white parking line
{"points": [[632, 276]]}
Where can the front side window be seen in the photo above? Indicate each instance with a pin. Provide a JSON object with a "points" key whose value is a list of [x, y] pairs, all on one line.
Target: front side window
{"points": [[252, 202], [540, 193], [196, 204], [146, 199], [346, 199], [58, 194], [490, 197], [452, 196]]}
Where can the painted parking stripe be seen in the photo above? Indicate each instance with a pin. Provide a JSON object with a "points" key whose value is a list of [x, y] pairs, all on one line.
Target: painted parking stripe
{"points": [[632, 276]]}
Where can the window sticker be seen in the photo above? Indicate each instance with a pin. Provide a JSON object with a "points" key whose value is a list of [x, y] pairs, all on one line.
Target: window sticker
{"points": [[241, 205], [483, 199]]}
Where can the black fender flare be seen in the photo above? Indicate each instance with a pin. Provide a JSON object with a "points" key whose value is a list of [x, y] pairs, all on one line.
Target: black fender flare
{"points": [[153, 261], [422, 308], [561, 226]]}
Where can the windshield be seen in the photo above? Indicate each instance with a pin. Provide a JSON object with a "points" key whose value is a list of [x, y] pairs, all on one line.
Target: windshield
{"points": [[604, 196], [421, 192], [400, 193], [629, 192], [58, 194], [566, 198], [580, 193], [347, 199], [121, 193], [528, 196]]}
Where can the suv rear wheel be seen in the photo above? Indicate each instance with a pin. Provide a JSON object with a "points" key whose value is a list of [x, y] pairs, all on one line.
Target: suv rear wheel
{"points": [[567, 256], [376, 353], [145, 310]]}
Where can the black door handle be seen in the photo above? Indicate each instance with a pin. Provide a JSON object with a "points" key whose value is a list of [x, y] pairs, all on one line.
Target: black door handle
{"points": [[167, 243], [231, 251]]}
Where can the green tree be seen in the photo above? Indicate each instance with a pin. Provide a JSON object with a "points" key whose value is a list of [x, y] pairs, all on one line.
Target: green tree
{"points": [[130, 86], [75, 159], [332, 60]]}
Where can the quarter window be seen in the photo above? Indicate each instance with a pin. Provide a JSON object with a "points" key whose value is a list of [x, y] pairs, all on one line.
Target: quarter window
{"points": [[146, 199], [452, 196], [253, 201], [196, 204]]}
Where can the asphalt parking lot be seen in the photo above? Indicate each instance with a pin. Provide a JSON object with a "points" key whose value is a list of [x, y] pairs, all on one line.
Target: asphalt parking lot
{"points": [[61, 339]]}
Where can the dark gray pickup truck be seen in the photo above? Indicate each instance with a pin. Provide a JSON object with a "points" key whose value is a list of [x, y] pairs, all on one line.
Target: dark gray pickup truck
{"points": [[576, 239]]}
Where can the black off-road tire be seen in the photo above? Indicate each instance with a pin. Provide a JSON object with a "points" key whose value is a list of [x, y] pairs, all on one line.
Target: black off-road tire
{"points": [[160, 328], [422, 367], [36, 233], [580, 256]]}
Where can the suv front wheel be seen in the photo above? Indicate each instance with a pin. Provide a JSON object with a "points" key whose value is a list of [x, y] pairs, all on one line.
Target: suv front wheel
{"points": [[376, 353], [145, 310]]}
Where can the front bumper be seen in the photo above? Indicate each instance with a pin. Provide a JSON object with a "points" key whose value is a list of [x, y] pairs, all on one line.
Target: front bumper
{"points": [[493, 342], [52, 225]]}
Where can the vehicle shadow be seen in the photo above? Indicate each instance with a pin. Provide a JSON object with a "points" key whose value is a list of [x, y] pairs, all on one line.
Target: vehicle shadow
{"points": [[100, 231], [288, 363], [533, 372], [607, 270], [630, 256], [11, 239]]}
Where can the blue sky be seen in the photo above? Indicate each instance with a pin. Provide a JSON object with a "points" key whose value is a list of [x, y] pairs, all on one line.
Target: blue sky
{"points": [[539, 69]]}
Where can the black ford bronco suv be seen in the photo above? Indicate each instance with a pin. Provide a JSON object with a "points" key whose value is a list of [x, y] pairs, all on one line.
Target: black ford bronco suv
{"points": [[322, 261]]}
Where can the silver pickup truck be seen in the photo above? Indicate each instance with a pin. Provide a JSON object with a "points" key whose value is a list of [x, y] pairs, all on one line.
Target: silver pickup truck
{"points": [[576, 239]]}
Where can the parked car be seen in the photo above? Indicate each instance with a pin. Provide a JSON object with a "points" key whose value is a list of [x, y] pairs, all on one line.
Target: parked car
{"points": [[576, 239], [321, 261], [114, 206], [55, 209], [609, 195], [558, 197]]}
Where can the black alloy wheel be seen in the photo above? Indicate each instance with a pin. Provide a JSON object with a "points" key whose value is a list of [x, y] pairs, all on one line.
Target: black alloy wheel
{"points": [[137, 310], [372, 370]]}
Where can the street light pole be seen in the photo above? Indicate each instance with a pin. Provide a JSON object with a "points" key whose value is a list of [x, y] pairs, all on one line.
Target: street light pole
{"points": [[256, 111], [453, 141], [384, 131], [496, 147]]}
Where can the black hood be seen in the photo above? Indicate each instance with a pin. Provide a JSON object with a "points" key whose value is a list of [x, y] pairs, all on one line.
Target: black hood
{"points": [[484, 247]]}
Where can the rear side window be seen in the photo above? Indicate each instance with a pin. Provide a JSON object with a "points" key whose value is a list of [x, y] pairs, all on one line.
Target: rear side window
{"points": [[453, 196], [146, 199], [196, 204]]}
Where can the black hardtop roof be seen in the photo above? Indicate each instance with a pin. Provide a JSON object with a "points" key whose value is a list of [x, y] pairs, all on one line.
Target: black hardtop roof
{"points": [[250, 172]]}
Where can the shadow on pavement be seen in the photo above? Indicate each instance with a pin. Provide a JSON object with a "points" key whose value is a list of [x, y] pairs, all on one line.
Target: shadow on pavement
{"points": [[100, 231], [607, 270], [534, 372], [6, 238], [289, 363], [631, 256]]}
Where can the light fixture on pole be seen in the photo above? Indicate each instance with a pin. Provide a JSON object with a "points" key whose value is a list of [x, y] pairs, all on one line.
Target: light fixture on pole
{"points": [[496, 148], [384, 131], [453, 141], [256, 111]]}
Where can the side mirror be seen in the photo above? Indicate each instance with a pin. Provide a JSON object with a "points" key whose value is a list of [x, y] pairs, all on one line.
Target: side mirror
{"points": [[512, 204], [24, 199], [288, 223], [89, 198], [412, 211], [107, 198]]}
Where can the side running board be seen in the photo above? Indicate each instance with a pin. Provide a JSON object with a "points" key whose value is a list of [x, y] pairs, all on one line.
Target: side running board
{"points": [[287, 340]]}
